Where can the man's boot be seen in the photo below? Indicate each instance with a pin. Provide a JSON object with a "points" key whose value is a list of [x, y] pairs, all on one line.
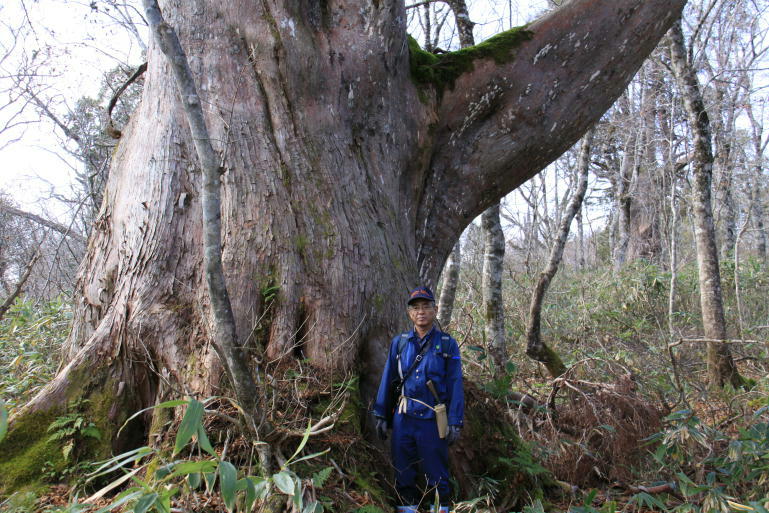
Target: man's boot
{"points": [[408, 509], [442, 509]]}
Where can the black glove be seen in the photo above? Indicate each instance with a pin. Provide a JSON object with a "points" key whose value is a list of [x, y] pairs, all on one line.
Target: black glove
{"points": [[453, 434], [381, 428]]}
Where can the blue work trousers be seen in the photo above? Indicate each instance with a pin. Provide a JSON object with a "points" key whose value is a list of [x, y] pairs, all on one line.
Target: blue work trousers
{"points": [[417, 447]]}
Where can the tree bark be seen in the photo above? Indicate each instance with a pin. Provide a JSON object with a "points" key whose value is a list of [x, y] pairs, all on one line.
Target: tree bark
{"points": [[449, 288], [346, 180], [721, 367], [225, 337], [491, 285], [624, 202], [535, 347]]}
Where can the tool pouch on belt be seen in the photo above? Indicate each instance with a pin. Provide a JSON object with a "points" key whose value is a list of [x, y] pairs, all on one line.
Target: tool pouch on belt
{"points": [[441, 417]]}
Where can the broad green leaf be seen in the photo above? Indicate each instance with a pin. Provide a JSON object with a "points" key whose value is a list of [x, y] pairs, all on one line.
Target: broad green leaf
{"points": [[194, 480], [210, 478], [313, 507], [189, 426], [144, 504], [229, 476], [298, 494], [194, 467], [262, 486], [204, 443], [250, 494], [284, 482], [3, 420]]}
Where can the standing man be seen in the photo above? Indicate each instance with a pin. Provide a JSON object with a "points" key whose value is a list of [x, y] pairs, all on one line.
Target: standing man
{"points": [[422, 376]]}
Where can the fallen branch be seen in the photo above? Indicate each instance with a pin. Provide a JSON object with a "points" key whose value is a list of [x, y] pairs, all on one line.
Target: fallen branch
{"points": [[716, 341]]}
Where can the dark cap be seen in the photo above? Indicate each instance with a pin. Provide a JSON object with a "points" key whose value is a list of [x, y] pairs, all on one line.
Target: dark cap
{"points": [[421, 293]]}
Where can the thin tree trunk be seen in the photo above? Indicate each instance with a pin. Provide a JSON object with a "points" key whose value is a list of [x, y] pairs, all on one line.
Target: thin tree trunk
{"points": [[225, 334], [721, 367], [19, 285], [535, 348], [491, 285], [493, 236], [756, 193], [580, 242], [449, 288], [624, 203]]}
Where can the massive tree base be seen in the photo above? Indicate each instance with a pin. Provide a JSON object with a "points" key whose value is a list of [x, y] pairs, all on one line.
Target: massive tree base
{"points": [[362, 472]]}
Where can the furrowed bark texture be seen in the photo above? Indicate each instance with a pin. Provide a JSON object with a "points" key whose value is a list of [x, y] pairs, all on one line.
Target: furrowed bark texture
{"points": [[225, 336], [721, 367], [535, 347], [344, 182]]}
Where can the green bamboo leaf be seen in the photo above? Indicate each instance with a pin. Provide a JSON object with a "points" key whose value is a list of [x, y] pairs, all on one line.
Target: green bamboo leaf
{"points": [[250, 494], [194, 467], [120, 460], [189, 426], [311, 456], [3, 420], [210, 478], [301, 444], [194, 480], [126, 498], [204, 443], [228, 475], [166, 404], [284, 482], [313, 507], [298, 495], [144, 504]]}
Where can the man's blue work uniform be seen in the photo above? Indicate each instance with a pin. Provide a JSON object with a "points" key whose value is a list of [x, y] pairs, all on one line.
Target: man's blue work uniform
{"points": [[415, 441]]}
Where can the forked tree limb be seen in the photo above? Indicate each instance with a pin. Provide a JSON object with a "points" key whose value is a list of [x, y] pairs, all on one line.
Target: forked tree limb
{"points": [[20, 285]]}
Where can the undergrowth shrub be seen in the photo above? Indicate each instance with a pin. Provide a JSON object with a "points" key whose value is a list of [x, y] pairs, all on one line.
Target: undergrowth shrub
{"points": [[31, 336]]}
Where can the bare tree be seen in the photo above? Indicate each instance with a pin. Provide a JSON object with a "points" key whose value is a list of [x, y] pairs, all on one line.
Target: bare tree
{"points": [[721, 367], [535, 347]]}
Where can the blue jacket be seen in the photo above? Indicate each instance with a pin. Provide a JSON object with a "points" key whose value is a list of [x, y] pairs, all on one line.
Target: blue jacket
{"points": [[441, 363]]}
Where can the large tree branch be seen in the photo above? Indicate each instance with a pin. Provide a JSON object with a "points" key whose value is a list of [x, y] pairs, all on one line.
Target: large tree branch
{"points": [[64, 230], [501, 123]]}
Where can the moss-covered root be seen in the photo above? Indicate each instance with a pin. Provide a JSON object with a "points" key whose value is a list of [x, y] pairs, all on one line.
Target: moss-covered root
{"points": [[29, 447], [547, 356], [26, 451]]}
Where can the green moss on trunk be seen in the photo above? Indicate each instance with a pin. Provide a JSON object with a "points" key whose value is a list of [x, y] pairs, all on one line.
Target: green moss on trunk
{"points": [[442, 70]]}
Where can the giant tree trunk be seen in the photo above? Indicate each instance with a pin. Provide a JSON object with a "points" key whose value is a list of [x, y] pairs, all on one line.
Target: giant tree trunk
{"points": [[721, 367], [347, 178]]}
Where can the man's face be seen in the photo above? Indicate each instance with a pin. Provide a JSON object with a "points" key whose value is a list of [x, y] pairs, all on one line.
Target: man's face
{"points": [[422, 313]]}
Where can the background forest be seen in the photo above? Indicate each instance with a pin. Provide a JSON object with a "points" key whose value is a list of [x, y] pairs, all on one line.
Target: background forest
{"points": [[577, 301]]}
